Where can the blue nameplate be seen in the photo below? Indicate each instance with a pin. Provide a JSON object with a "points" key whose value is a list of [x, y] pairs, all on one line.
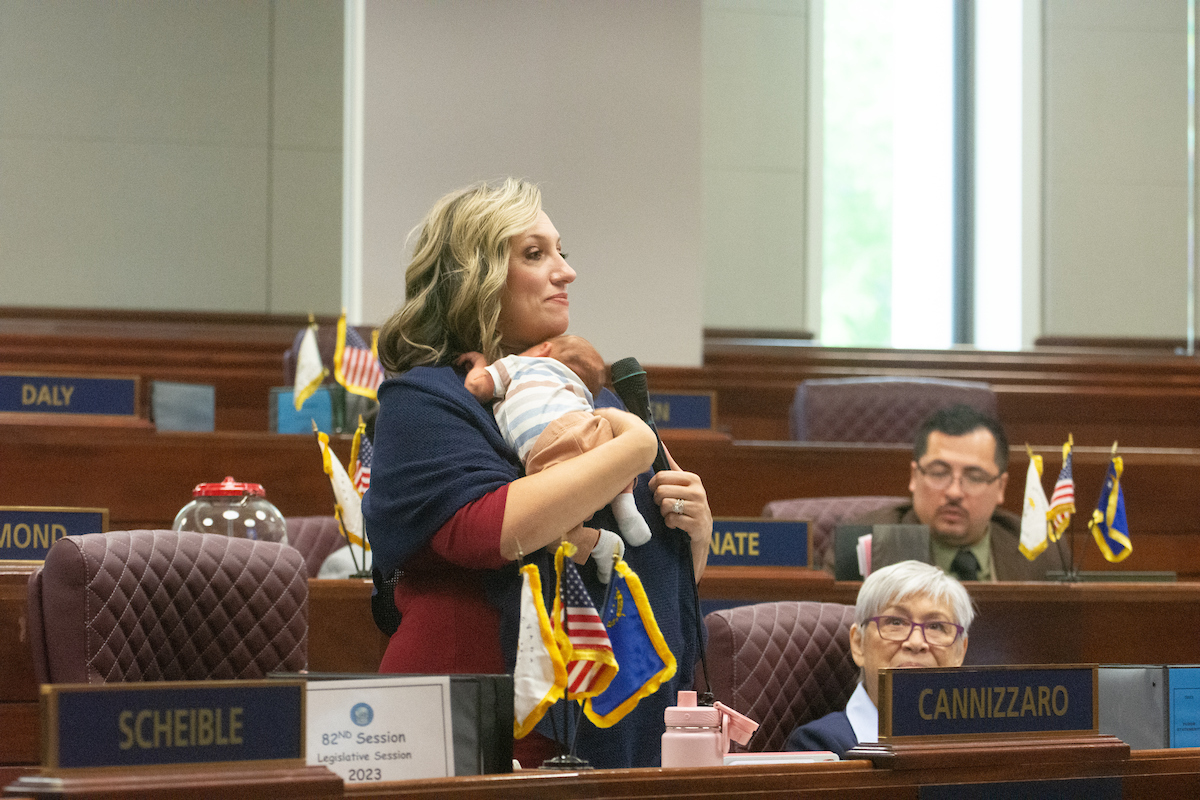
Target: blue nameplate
{"points": [[27, 532], [318, 408], [186, 722], [1184, 685], [974, 701], [754, 542], [682, 410], [48, 394]]}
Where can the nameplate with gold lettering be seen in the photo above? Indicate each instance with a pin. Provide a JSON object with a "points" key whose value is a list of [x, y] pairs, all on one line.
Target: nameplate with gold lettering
{"points": [[27, 532], [683, 409], [60, 394], [757, 542], [988, 701], [184, 722]]}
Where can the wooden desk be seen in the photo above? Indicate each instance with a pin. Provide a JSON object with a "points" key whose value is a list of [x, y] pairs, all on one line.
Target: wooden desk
{"points": [[144, 477], [1151, 774], [342, 637], [1143, 775], [1021, 623], [1161, 487], [1017, 623]]}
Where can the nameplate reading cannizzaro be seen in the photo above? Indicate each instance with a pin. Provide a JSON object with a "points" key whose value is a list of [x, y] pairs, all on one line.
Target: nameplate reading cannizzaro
{"points": [[756, 542], [185, 722], [28, 532], [60, 394], [988, 701]]}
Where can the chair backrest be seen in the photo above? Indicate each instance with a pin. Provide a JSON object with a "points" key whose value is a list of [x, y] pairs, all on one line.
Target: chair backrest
{"points": [[825, 513], [316, 538], [167, 605], [781, 664], [877, 409]]}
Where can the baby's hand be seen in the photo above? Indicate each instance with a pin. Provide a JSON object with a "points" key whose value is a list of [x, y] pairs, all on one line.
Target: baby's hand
{"points": [[478, 382], [472, 360]]}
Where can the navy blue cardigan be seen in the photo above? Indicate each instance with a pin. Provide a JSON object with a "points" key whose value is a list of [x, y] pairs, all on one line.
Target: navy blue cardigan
{"points": [[436, 448]]}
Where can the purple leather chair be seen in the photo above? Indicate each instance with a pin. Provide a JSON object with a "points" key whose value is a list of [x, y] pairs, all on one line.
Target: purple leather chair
{"points": [[167, 606], [880, 409], [315, 538], [781, 664], [825, 513]]}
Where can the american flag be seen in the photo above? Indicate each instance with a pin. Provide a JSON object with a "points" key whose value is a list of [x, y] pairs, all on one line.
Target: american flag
{"points": [[1062, 501], [582, 637], [362, 469], [355, 364]]}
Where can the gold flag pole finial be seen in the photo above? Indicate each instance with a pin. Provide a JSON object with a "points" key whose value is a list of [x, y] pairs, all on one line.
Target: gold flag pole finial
{"points": [[1114, 449], [1029, 450]]}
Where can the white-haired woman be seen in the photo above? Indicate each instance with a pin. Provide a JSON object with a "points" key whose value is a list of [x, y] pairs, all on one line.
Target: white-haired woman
{"points": [[907, 615]]}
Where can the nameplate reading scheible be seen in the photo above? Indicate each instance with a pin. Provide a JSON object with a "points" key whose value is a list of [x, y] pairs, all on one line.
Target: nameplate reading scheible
{"points": [[173, 722], [757, 542], [27, 532], [974, 702], [62, 394], [385, 729]]}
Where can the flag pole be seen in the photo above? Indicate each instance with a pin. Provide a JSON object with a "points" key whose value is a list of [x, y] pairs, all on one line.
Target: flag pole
{"points": [[608, 596], [568, 760]]}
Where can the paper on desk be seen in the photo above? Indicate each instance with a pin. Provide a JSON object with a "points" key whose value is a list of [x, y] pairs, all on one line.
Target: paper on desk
{"points": [[799, 757], [863, 548]]}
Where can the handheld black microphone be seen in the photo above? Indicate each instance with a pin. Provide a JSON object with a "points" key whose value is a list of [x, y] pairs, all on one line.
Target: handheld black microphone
{"points": [[629, 382]]}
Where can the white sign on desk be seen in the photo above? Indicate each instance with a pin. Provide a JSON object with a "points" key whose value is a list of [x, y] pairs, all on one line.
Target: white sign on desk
{"points": [[384, 729]]}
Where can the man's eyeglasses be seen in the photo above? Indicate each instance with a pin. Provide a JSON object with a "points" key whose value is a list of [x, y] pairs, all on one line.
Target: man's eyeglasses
{"points": [[936, 634], [939, 475]]}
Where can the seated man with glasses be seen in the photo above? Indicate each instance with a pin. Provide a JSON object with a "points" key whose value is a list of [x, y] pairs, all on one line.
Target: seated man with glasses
{"points": [[959, 472], [907, 615]]}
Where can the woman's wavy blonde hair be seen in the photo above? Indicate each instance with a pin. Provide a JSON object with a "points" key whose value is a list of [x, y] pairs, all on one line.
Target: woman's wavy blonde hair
{"points": [[455, 281]]}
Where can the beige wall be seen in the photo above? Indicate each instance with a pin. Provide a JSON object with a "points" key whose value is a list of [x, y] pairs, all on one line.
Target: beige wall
{"points": [[755, 152], [166, 155], [598, 102], [1115, 218]]}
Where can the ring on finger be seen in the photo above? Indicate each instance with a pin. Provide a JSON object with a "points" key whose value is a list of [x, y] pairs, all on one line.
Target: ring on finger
{"points": [[678, 508]]}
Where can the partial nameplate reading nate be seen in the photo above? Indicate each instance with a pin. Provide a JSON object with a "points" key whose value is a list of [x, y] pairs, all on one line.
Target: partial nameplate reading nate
{"points": [[757, 542]]}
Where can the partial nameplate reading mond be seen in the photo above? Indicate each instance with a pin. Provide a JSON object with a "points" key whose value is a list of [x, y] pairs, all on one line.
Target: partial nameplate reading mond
{"points": [[174, 722], [988, 701], [62, 394], [28, 532], [757, 542]]}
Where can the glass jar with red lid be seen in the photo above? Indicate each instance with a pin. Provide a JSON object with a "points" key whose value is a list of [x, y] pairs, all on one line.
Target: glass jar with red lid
{"points": [[232, 508]]}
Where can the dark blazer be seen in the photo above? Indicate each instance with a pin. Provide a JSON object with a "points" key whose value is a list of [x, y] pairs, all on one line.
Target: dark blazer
{"points": [[1008, 563], [830, 732]]}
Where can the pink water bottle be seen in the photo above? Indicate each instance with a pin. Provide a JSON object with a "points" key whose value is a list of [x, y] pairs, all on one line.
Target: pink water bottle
{"points": [[698, 736]]}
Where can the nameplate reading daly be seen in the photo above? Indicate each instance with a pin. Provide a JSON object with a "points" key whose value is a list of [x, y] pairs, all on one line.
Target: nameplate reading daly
{"points": [[184, 722], [988, 701], [60, 394]]}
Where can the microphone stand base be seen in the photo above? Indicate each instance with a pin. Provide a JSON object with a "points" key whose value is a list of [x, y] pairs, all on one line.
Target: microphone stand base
{"points": [[565, 762]]}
